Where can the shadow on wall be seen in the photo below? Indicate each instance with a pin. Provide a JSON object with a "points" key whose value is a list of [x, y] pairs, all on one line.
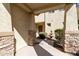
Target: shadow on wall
{"points": [[20, 43]]}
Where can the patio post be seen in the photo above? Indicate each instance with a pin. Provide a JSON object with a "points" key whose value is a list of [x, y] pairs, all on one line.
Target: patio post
{"points": [[32, 30], [71, 42]]}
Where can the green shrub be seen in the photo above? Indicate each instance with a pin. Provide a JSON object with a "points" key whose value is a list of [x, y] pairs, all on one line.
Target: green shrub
{"points": [[58, 34], [42, 35]]}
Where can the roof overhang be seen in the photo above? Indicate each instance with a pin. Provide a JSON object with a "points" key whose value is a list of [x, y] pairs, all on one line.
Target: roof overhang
{"points": [[37, 8]]}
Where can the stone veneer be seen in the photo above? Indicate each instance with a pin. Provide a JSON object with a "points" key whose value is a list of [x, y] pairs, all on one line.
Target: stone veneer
{"points": [[31, 38], [7, 46], [71, 42]]}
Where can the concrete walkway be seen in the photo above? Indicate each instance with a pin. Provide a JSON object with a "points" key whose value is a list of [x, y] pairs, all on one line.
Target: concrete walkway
{"points": [[42, 49], [26, 51]]}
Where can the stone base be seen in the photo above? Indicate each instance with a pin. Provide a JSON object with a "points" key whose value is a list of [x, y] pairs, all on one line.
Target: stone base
{"points": [[7, 45], [71, 42], [31, 38]]}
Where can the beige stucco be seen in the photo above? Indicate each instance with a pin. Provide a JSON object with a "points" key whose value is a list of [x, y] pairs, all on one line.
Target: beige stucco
{"points": [[72, 19], [5, 19], [39, 18], [56, 19]]}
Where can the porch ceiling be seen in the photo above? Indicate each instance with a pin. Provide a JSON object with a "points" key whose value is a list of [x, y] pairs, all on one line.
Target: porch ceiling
{"points": [[37, 8]]}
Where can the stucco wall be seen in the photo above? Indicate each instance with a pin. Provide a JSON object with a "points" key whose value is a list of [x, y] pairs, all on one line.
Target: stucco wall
{"points": [[39, 18], [56, 19], [5, 19], [71, 20]]}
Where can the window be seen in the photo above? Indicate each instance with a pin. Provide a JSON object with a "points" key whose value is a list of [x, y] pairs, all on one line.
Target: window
{"points": [[40, 28], [52, 11]]}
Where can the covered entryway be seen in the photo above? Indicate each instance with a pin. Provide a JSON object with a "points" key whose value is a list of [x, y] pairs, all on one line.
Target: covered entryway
{"points": [[20, 22]]}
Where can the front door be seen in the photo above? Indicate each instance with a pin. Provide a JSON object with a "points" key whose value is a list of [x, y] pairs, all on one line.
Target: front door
{"points": [[40, 28]]}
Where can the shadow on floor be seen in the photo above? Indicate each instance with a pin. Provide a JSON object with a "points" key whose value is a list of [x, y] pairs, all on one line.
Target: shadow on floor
{"points": [[39, 50]]}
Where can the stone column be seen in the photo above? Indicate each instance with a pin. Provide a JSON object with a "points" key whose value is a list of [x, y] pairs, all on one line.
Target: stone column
{"points": [[23, 26], [71, 43], [31, 31]]}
